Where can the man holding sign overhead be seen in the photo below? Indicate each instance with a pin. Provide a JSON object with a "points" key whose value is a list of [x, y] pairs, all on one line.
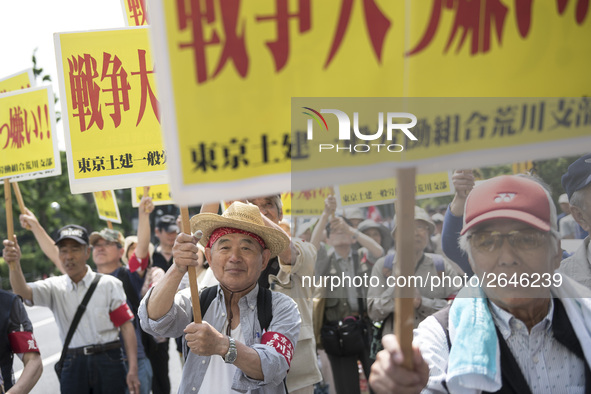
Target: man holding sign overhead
{"points": [[231, 350]]}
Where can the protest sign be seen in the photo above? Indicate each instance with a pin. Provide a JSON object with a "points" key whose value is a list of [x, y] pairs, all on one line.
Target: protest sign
{"points": [[383, 191], [21, 80], [28, 140], [135, 12], [110, 110], [160, 195], [106, 206]]}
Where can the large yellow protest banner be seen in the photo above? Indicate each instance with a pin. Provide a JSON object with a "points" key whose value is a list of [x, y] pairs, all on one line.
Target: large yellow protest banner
{"points": [[28, 140], [336, 140], [20, 80], [229, 68], [106, 206], [110, 110]]}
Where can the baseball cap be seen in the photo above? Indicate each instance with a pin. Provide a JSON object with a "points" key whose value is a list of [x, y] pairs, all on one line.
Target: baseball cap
{"points": [[578, 175], [510, 197], [167, 223], [108, 235], [72, 231]]}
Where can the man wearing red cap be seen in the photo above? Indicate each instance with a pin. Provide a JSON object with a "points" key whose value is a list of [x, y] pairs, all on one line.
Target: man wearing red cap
{"points": [[230, 350], [518, 327]]}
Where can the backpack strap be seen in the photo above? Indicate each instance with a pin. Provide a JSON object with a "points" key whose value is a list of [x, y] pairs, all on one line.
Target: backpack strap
{"points": [[206, 298], [264, 307]]}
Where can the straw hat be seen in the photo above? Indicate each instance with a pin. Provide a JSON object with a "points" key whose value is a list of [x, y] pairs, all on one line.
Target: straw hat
{"points": [[244, 217]]}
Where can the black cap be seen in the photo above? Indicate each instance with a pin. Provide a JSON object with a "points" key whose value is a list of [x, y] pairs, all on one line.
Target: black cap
{"points": [[72, 231], [167, 223], [577, 176]]}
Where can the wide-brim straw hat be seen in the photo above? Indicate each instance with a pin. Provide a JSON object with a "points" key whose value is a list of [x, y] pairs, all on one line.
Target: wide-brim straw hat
{"points": [[242, 216]]}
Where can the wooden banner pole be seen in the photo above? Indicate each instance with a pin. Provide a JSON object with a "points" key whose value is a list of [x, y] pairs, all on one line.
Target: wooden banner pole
{"points": [[109, 225], [186, 223], [8, 204], [19, 200], [404, 296]]}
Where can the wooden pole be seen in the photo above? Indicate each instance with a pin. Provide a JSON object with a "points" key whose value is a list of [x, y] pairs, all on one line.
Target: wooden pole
{"points": [[19, 199], [186, 223], [404, 296], [109, 224], [8, 203]]}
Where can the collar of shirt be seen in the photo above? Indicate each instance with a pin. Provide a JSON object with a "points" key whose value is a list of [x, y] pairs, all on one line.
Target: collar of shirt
{"points": [[509, 324], [250, 298], [87, 280]]}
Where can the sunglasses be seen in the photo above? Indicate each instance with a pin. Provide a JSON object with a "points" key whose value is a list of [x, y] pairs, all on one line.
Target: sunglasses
{"points": [[491, 241]]}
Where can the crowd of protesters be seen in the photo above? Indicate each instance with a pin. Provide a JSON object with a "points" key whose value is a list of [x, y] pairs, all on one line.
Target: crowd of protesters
{"points": [[263, 330]]}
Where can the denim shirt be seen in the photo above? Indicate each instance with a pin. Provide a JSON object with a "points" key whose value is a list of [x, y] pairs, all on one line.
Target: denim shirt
{"points": [[286, 320]]}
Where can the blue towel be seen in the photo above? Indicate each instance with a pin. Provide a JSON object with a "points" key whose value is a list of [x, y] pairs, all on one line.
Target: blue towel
{"points": [[474, 359]]}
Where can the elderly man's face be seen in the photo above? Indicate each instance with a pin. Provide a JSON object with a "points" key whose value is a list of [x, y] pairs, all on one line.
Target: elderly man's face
{"points": [[73, 256], [106, 252], [583, 214], [535, 253], [237, 260], [268, 208]]}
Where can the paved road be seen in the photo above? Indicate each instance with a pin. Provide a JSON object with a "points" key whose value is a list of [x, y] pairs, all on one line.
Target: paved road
{"points": [[47, 335]]}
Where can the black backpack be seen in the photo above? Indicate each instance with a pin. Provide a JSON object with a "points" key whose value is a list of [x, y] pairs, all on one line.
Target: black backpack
{"points": [[264, 308]]}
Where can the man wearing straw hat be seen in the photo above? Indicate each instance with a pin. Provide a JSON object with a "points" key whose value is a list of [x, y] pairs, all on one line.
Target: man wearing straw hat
{"points": [[229, 350]]}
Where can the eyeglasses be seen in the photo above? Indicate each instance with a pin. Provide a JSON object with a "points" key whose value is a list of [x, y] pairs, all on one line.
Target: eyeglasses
{"points": [[491, 241]]}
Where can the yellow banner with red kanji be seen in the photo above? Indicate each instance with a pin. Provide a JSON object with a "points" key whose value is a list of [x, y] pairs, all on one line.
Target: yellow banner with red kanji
{"points": [[21, 80], [232, 68], [160, 195], [305, 203], [135, 12], [106, 206], [28, 140], [110, 109]]}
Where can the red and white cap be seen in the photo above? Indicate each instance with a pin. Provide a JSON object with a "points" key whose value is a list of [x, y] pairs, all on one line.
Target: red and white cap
{"points": [[510, 197]]}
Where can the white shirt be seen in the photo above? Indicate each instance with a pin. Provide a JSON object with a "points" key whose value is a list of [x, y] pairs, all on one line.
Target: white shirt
{"points": [[220, 375], [62, 296]]}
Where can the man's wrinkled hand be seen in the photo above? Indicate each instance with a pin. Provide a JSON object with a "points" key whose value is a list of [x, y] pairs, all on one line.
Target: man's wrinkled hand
{"points": [[184, 251], [205, 340]]}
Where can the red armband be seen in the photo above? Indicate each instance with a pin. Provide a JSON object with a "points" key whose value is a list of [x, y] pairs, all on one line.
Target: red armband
{"points": [[121, 315], [280, 343], [136, 263], [23, 342]]}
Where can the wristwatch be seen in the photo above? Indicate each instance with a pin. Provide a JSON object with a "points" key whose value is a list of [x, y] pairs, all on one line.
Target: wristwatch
{"points": [[230, 357]]}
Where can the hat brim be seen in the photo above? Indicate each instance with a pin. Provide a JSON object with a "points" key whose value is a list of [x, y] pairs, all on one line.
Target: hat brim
{"points": [[520, 216], [275, 240]]}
